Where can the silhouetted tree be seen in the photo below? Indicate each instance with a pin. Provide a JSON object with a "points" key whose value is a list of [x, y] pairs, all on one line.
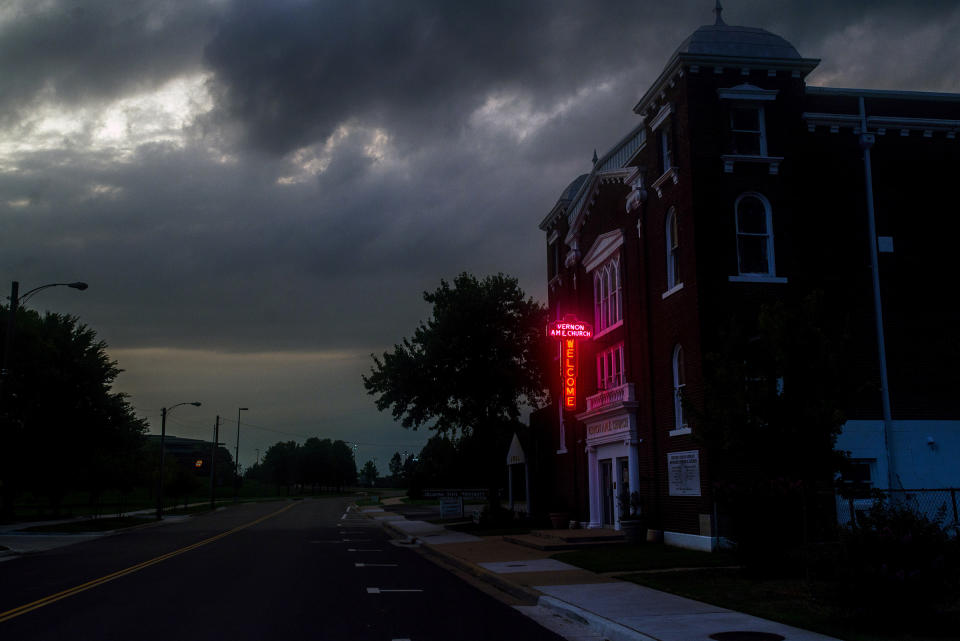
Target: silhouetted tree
{"points": [[57, 399], [396, 468], [774, 394], [470, 368], [369, 473]]}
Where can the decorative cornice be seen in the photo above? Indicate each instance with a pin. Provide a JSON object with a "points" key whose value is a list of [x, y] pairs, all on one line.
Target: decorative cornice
{"points": [[661, 116], [799, 68], [880, 124], [747, 92], [603, 248], [587, 195]]}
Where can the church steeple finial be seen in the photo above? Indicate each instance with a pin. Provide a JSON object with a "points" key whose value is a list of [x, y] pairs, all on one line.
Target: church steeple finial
{"points": [[719, 10]]}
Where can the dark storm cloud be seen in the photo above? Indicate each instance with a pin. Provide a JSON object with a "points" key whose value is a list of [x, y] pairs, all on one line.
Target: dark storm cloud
{"points": [[292, 74], [72, 52], [349, 156]]}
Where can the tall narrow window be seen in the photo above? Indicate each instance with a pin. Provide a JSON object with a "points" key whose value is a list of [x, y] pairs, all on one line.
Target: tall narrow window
{"points": [[610, 367], [747, 131], [553, 259], [754, 235], [679, 383], [666, 148], [607, 295], [673, 250]]}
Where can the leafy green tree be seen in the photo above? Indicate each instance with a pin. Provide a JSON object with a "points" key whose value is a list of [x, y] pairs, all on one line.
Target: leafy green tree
{"points": [[470, 368], [57, 400], [343, 467], [280, 463], [396, 468], [369, 473], [315, 459]]}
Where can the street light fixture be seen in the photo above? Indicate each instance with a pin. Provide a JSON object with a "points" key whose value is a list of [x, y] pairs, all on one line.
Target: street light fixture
{"points": [[236, 459], [163, 435]]}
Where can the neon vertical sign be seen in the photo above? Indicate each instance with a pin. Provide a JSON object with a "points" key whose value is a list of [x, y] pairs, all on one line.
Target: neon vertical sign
{"points": [[569, 331], [569, 373]]}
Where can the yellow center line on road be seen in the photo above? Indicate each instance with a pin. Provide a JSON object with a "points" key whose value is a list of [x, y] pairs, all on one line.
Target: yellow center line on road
{"points": [[29, 607]]}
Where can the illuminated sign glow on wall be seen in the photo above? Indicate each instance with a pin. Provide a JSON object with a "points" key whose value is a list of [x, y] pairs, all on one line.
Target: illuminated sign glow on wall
{"points": [[568, 331]]}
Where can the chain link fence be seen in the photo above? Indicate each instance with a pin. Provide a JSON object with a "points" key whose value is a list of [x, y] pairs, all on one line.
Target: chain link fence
{"points": [[939, 505]]}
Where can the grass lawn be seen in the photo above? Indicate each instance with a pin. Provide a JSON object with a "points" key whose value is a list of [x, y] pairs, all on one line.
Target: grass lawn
{"points": [[91, 525], [792, 601], [622, 557]]}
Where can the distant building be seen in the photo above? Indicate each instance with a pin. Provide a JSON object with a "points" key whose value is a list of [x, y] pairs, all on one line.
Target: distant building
{"points": [[739, 183], [188, 452]]}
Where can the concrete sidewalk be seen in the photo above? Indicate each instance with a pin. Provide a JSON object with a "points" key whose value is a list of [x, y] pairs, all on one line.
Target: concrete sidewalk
{"points": [[613, 609], [19, 542]]}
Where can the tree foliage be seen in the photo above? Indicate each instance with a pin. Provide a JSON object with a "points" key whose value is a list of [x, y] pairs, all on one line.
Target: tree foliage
{"points": [[61, 424], [472, 365], [774, 394], [318, 462], [369, 473]]}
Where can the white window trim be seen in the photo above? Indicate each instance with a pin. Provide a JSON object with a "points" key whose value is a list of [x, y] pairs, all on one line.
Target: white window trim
{"points": [[680, 425], [747, 92], [673, 267], [762, 123], [661, 116], [670, 292], [601, 305], [757, 278], [617, 352], [771, 274], [602, 250], [607, 330]]}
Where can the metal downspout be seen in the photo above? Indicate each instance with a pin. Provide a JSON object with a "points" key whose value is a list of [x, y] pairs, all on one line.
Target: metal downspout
{"points": [[866, 142]]}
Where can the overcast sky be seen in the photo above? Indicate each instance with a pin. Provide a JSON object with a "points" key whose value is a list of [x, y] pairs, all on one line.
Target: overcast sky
{"points": [[259, 192]]}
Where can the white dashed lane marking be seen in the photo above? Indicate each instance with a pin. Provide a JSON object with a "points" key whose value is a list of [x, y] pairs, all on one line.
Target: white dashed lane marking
{"points": [[384, 591]]}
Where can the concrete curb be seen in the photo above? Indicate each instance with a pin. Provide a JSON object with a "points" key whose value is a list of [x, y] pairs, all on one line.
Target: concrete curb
{"points": [[609, 629], [527, 595]]}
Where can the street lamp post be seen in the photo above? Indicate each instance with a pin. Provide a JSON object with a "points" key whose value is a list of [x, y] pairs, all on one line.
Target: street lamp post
{"points": [[15, 301], [213, 464], [163, 435], [236, 459]]}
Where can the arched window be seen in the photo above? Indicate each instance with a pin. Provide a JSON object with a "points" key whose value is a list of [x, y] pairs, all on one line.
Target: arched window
{"points": [[673, 250], [607, 295], [754, 235], [679, 382]]}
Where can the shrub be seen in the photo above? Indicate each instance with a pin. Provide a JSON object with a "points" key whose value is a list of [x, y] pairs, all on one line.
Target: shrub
{"points": [[896, 560]]}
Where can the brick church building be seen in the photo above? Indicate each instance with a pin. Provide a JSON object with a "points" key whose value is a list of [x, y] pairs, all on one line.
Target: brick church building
{"points": [[739, 184]]}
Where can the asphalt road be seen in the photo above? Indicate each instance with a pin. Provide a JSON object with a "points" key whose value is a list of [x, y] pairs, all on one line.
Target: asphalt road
{"points": [[284, 571]]}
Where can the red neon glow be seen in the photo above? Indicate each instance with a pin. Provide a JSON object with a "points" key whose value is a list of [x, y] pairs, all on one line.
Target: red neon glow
{"points": [[568, 331], [569, 373]]}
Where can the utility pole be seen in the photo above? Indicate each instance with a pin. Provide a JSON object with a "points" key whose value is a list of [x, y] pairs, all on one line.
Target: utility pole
{"points": [[213, 464], [11, 325], [163, 436], [236, 460]]}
